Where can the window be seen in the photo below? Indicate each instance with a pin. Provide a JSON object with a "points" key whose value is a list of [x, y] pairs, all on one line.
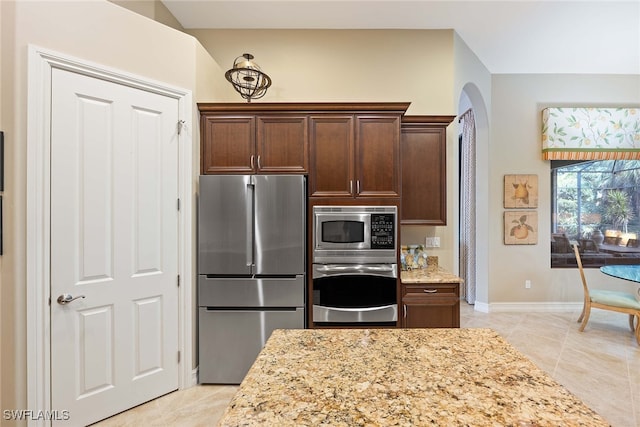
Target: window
{"points": [[595, 204]]}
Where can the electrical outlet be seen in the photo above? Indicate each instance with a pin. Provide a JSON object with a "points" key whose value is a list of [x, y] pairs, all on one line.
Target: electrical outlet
{"points": [[436, 242], [527, 284]]}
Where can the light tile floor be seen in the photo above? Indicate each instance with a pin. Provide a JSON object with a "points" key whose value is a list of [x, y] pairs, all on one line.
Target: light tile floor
{"points": [[601, 366]]}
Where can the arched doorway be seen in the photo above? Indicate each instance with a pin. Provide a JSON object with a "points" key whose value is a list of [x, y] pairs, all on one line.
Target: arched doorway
{"points": [[473, 221]]}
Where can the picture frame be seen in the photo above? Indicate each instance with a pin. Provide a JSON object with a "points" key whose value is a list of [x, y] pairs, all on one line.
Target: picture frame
{"points": [[520, 191], [520, 227]]}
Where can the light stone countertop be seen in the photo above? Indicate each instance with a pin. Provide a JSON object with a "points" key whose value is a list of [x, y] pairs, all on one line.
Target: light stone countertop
{"points": [[404, 377], [429, 275]]}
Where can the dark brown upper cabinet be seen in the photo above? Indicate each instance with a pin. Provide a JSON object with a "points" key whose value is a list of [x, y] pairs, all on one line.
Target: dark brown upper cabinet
{"points": [[251, 138], [423, 148]]}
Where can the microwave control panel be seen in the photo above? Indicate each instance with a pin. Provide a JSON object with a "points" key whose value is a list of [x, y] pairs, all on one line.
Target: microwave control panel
{"points": [[383, 231]]}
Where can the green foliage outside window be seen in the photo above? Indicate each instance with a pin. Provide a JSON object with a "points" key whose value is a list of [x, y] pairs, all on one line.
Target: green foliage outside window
{"points": [[602, 195]]}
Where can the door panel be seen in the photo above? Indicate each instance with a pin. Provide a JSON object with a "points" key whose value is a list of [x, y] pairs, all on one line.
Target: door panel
{"points": [[244, 292], [377, 156], [230, 340], [225, 215], [114, 225], [331, 156], [147, 187], [280, 224], [94, 339], [148, 351]]}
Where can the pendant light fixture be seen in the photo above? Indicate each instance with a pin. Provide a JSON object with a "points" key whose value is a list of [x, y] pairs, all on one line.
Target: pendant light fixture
{"points": [[247, 78]]}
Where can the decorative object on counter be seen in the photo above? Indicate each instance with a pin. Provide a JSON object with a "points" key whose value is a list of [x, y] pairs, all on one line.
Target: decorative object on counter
{"points": [[572, 133], [412, 257], [520, 191], [520, 227], [247, 78]]}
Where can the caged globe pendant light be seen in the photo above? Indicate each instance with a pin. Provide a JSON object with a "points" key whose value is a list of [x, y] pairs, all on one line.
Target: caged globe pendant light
{"points": [[247, 78]]}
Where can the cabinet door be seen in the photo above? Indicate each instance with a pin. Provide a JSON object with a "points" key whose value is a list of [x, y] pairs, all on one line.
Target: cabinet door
{"points": [[377, 168], [227, 144], [282, 144], [431, 313], [431, 305], [331, 156], [423, 154]]}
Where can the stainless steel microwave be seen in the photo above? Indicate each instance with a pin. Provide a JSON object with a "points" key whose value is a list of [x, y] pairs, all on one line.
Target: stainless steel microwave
{"points": [[354, 234]]}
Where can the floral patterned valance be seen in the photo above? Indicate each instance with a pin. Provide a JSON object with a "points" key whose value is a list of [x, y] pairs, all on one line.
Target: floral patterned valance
{"points": [[590, 133]]}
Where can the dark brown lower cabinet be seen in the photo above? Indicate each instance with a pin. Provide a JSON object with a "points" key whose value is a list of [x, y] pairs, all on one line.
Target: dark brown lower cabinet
{"points": [[430, 305]]}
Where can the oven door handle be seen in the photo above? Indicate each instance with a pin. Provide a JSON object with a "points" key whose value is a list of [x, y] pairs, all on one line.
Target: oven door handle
{"points": [[360, 309], [385, 270]]}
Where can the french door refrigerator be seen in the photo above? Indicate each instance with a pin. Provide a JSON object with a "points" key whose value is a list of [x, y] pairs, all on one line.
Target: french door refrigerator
{"points": [[251, 268]]}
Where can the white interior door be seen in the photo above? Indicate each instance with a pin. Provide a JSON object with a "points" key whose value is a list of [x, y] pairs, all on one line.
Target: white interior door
{"points": [[114, 246]]}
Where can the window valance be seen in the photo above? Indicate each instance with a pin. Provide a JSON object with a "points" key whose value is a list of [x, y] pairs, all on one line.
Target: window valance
{"points": [[591, 133]]}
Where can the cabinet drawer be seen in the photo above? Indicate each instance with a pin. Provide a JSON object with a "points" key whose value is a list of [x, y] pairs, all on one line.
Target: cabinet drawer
{"points": [[431, 289]]}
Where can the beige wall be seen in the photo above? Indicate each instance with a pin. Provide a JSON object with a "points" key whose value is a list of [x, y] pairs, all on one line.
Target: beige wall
{"points": [[98, 32], [153, 9], [517, 102], [346, 65]]}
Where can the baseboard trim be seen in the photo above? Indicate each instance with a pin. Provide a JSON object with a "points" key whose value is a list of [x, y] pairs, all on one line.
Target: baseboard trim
{"points": [[528, 307]]}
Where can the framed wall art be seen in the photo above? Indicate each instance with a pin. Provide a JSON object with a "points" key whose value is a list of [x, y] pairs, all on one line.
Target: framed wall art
{"points": [[521, 227], [520, 191]]}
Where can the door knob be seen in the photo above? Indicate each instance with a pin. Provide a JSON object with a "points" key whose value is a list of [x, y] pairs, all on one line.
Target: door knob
{"points": [[67, 298]]}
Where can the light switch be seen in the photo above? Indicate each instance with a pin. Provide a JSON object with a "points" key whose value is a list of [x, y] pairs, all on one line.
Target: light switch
{"points": [[432, 242]]}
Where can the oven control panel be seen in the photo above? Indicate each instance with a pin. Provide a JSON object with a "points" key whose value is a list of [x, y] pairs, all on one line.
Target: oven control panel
{"points": [[383, 231]]}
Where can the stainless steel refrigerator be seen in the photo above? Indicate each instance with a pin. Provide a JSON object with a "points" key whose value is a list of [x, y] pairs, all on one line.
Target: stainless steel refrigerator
{"points": [[251, 267]]}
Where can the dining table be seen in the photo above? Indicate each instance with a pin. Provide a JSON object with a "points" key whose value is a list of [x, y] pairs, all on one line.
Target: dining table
{"points": [[630, 272]]}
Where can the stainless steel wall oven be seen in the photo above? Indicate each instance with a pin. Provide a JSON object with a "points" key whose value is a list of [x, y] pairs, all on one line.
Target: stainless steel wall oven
{"points": [[355, 265]]}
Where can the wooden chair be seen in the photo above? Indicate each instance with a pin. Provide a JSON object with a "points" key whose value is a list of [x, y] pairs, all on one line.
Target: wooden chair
{"points": [[622, 302], [633, 243], [560, 243]]}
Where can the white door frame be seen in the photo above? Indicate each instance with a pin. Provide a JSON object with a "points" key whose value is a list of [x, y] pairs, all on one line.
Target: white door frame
{"points": [[38, 249]]}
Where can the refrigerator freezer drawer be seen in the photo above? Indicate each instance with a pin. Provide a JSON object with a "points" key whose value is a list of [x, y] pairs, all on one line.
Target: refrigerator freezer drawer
{"points": [[230, 340], [243, 292]]}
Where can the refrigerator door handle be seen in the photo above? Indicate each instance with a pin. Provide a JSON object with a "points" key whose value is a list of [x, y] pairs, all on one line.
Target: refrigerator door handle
{"points": [[249, 222]]}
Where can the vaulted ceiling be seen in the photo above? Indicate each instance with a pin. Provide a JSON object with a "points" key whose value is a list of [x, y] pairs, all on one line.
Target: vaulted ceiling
{"points": [[509, 36]]}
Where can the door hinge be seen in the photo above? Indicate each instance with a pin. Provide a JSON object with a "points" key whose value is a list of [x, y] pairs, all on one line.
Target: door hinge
{"points": [[178, 204], [178, 356], [181, 124], [178, 280]]}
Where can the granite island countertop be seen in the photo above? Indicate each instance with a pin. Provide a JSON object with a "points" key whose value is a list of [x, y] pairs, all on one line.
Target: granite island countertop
{"points": [[405, 377], [429, 275]]}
